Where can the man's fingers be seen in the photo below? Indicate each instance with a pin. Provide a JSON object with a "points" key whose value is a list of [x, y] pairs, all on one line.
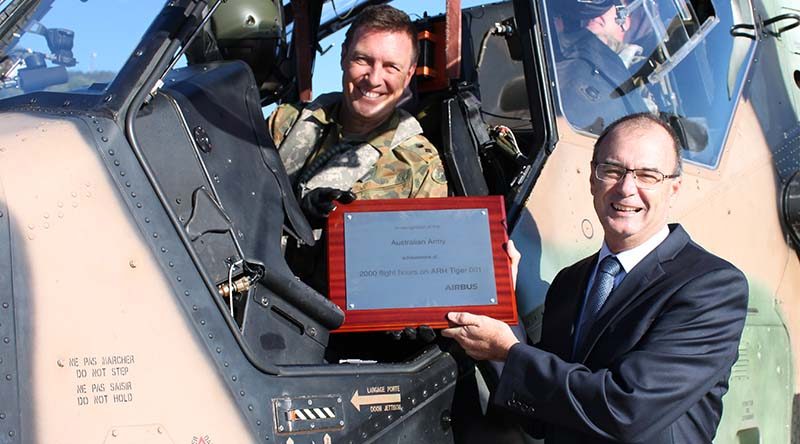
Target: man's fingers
{"points": [[451, 332], [472, 346], [425, 333], [513, 253], [515, 257], [332, 194], [346, 197], [325, 208], [453, 317], [460, 334], [342, 196], [463, 318], [481, 337], [319, 202]]}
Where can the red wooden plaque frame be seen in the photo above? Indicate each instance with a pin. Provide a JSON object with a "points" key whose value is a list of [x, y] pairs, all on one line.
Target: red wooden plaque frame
{"points": [[399, 318]]}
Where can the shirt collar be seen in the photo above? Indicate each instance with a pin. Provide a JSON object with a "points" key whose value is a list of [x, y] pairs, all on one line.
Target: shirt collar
{"points": [[629, 258], [397, 128]]}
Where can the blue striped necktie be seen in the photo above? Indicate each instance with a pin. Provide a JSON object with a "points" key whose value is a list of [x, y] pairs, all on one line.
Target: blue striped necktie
{"points": [[601, 288]]}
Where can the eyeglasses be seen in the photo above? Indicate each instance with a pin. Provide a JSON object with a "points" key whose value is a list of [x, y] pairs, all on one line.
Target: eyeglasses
{"points": [[645, 179]]}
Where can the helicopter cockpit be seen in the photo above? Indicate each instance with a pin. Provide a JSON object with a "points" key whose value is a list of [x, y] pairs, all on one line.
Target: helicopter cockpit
{"points": [[241, 58], [172, 135], [615, 58]]}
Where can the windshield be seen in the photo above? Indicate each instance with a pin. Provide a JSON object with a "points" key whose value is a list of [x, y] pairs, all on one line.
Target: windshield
{"points": [[666, 57], [68, 45]]}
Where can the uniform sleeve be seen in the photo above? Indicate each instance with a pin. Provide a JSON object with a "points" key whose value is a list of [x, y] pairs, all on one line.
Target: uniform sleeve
{"points": [[281, 121], [429, 179], [687, 349]]}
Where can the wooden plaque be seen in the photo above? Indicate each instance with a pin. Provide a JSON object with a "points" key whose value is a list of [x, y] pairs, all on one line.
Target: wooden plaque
{"points": [[410, 262]]}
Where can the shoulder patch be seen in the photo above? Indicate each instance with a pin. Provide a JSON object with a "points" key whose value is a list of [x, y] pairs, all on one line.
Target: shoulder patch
{"points": [[438, 174], [420, 146], [281, 121]]}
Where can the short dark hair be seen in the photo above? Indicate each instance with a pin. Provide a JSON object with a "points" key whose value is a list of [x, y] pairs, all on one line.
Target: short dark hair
{"points": [[383, 18], [642, 121]]}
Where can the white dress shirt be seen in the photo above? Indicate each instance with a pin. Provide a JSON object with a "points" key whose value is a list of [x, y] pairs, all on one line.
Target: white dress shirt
{"points": [[628, 258]]}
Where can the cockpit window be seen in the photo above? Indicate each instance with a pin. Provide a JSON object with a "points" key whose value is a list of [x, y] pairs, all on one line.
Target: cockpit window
{"points": [[669, 57], [68, 45]]}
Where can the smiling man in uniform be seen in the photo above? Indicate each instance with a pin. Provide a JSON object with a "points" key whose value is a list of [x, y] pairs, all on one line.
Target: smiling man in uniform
{"points": [[357, 143], [638, 340]]}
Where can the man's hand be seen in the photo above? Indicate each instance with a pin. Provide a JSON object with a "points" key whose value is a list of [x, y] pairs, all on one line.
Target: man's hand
{"points": [[482, 337], [423, 333], [318, 203], [515, 257]]}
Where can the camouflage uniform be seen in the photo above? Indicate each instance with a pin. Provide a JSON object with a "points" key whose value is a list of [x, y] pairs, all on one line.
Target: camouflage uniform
{"points": [[393, 161]]}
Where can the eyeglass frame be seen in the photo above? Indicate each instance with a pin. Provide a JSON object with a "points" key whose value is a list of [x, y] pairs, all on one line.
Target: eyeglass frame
{"points": [[633, 174], [621, 14]]}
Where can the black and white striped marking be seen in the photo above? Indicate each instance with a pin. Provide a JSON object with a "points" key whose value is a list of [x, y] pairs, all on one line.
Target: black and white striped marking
{"points": [[311, 414]]}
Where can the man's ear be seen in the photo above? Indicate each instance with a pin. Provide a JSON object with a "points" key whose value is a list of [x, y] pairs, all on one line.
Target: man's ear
{"points": [[343, 57], [675, 186], [411, 71]]}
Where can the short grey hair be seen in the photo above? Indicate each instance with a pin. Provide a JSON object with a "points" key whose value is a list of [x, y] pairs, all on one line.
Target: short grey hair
{"points": [[643, 121]]}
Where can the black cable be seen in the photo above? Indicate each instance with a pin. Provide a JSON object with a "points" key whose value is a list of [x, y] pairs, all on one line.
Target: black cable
{"points": [[505, 117]]}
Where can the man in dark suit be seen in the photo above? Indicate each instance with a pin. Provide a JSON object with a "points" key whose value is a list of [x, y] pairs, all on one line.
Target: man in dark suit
{"points": [[638, 339]]}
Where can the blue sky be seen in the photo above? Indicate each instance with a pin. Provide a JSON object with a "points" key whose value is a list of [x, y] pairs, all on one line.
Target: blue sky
{"points": [[106, 32], [328, 74]]}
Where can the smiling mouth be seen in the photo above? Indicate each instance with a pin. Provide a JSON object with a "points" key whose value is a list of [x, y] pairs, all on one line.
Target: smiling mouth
{"points": [[369, 94], [625, 208]]}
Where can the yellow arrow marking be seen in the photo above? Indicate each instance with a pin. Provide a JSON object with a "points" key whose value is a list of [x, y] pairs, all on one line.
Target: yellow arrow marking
{"points": [[359, 400]]}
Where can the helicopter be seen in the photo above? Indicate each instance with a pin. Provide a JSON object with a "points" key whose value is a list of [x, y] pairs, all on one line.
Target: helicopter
{"points": [[144, 294]]}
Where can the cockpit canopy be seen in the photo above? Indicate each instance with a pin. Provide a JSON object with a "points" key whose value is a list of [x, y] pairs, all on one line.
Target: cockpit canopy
{"points": [[672, 58]]}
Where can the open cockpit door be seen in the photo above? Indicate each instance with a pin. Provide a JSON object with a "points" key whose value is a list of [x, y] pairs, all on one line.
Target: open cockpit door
{"points": [[208, 112], [203, 140], [486, 106]]}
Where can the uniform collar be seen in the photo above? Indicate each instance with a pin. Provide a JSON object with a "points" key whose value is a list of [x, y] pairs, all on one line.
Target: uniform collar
{"points": [[397, 128]]}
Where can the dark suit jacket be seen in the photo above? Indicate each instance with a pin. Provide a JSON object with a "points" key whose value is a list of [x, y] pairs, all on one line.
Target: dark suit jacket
{"points": [[653, 367]]}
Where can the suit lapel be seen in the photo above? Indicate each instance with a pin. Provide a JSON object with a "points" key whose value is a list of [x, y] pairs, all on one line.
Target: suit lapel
{"points": [[632, 288], [560, 315]]}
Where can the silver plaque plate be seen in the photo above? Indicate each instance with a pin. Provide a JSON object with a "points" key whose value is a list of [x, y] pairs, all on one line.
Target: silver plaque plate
{"points": [[425, 258]]}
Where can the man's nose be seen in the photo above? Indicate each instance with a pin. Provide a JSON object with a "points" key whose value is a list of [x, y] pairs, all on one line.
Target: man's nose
{"points": [[374, 75], [628, 183]]}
